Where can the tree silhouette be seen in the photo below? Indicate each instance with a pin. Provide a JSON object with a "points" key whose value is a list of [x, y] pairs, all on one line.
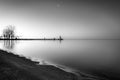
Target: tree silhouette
{"points": [[9, 32]]}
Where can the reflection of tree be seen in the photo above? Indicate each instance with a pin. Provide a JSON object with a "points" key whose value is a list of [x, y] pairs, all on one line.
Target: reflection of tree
{"points": [[9, 44]]}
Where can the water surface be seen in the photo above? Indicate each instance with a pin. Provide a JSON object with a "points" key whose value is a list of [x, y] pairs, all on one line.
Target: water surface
{"points": [[91, 56]]}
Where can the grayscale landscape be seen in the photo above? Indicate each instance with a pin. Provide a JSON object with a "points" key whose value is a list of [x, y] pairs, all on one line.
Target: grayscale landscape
{"points": [[59, 40]]}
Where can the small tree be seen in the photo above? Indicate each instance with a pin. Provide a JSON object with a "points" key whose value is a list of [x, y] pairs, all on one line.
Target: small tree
{"points": [[9, 32]]}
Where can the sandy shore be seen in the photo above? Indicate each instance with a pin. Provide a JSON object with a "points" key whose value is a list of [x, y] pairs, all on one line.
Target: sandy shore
{"points": [[15, 67]]}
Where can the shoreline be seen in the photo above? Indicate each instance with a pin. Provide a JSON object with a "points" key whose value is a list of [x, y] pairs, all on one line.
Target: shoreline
{"points": [[32, 70], [34, 39]]}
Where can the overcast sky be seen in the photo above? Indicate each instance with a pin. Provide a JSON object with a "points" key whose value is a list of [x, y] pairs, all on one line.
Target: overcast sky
{"points": [[94, 19]]}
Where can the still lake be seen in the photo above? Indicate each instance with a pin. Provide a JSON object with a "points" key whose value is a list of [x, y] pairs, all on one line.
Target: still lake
{"points": [[100, 57]]}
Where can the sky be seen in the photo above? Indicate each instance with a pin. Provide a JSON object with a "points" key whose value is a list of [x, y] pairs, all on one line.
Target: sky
{"points": [[72, 19]]}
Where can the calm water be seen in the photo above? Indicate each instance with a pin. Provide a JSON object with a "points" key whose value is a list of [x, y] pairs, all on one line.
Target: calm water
{"points": [[91, 56]]}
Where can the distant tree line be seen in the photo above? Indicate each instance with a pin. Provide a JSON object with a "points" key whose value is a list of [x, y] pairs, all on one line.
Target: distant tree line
{"points": [[9, 32]]}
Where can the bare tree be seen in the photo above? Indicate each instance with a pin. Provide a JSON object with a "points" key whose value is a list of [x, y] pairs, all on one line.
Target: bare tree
{"points": [[9, 32]]}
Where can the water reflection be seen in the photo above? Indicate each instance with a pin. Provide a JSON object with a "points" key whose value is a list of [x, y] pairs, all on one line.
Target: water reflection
{"points": [[9, 44]]}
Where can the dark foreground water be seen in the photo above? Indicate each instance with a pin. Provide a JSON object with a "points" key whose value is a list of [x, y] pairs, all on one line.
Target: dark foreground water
{"points": [[99, 57]]}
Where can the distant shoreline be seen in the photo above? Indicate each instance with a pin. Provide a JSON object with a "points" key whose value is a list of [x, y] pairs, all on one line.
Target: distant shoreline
{"points": [[34, 39]]}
